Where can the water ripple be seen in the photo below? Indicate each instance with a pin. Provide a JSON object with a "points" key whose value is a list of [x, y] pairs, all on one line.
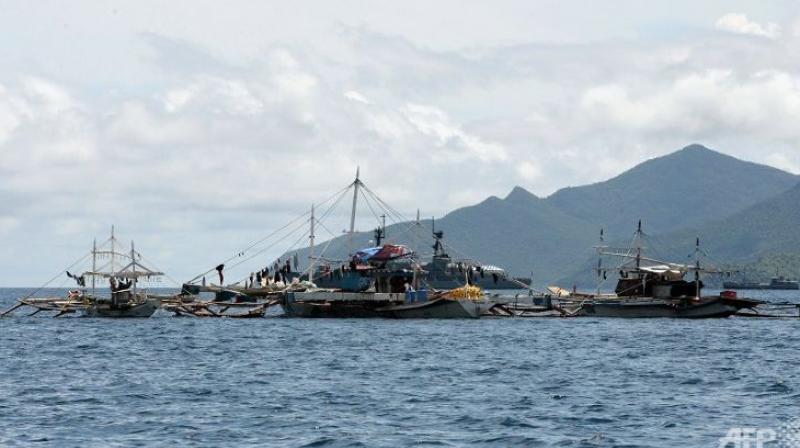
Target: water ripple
{"points": [[352, 383]]}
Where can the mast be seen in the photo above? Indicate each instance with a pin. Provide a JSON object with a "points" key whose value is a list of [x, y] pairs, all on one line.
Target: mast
{"points": [[639, 257], [697, 268], [112, 249], [133, 266], [356, 184], [94, 263], [311, 248], [600, 273]]}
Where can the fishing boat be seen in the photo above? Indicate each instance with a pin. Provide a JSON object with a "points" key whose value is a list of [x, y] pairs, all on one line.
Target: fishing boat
{"points": [[650, 288], [122, 270], [125, 298], [453, 304]]}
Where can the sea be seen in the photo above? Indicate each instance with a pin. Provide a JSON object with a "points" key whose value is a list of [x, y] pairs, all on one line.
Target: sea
{"points": [[499, 382]]}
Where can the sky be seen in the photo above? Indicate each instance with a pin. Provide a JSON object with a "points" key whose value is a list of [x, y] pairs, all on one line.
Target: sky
{"points": [[196, 127]]}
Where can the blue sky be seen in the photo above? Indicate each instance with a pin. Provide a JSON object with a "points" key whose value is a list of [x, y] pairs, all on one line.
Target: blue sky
{"points": [[196, 127]]}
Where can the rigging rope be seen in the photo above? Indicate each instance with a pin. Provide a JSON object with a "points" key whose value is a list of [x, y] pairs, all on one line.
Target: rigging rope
{"points": [[80, 260]]}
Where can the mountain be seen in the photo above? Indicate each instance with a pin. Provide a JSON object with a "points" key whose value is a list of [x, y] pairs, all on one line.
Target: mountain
{"points": [[740, 209], [682, 189], [769, 227]]}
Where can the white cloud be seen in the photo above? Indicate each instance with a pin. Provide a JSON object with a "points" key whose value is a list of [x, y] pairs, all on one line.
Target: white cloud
{"points": [[357, 97], [739, 23], [452, 141], [528, 170], [714, 101], [197, 140]]}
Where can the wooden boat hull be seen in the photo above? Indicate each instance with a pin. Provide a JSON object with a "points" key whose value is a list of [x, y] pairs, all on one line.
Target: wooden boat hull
{"points": [[438, 309], [323, 304], [139, 310], [337, 304], [706, 308]]}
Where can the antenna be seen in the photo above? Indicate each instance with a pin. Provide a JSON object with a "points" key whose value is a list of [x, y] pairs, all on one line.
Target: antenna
{"points": [[639, 245], [380, 232]]}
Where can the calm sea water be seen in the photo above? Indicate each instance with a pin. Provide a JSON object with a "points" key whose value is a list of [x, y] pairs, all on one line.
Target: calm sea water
{"points": [[170, 381]]}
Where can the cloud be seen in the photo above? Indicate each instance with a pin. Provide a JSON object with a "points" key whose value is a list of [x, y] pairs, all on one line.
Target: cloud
{"points": [[714, 101], [739, 23], [195, 151]]}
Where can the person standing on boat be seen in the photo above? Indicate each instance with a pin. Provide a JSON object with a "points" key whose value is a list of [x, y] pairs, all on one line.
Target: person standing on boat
{"points": [[221, 276]]}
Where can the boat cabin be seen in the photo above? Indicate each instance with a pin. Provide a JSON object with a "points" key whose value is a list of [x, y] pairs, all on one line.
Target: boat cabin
{"points": [[660, 281]]}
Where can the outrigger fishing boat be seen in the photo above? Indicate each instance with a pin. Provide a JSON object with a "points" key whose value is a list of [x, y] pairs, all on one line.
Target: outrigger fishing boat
{"points": [[652, 288], [122, 270]]}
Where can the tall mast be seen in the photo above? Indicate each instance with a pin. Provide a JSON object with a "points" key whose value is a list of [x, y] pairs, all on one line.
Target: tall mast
{"points": [[94, 263], [697, 268], [311, 248], [600, 272], [356, 184], [133, 266], [112, 249]]}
